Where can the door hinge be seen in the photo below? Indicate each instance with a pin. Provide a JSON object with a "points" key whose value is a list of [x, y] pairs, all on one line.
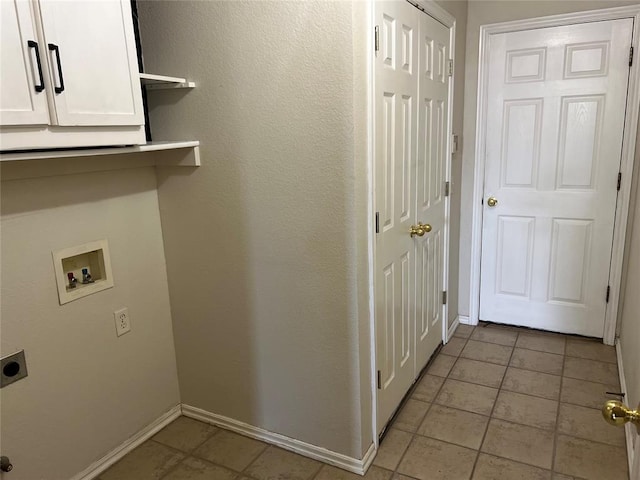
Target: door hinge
{"points": [[376, 40], [619, 180], [631, 56], [444, 297], [446, 189], [450, 68], [608, 292], [377, 222], [379, 380]]}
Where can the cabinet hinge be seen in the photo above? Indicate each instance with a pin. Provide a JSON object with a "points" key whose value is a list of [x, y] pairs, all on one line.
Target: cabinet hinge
{"points": [[450, 68], [377, 222], [619, 180], [376, 40], [444, 297], [631, 56], [379, 380], [446, 189], [608, 292]]}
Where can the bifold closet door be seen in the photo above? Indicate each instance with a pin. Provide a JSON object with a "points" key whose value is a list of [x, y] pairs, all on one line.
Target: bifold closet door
{"points": [[411, 92]]}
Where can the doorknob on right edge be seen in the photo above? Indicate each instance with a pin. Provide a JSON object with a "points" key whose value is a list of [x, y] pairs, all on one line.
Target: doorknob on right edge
{"points": [[617, 413], [492, 201]]}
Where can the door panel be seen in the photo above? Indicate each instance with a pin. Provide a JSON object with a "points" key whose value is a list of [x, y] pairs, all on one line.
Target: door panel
{"points": [[515, 247], [411, 95], [98, 60], [20, 102], [433, 122], [395, 151], [554, 138]]}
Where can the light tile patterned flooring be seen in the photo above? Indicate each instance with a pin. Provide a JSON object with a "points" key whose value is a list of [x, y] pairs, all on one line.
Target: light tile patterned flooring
{"points": [[497, 403]]}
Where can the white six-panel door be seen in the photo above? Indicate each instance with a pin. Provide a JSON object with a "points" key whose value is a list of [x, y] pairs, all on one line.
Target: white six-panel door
{"points": [[555, 120], [411, 95]]}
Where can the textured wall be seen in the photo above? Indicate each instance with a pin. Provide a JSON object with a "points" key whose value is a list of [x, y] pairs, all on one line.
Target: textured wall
{"points": [[483, 13], [265, 248], [459, 10], [87, 390]]}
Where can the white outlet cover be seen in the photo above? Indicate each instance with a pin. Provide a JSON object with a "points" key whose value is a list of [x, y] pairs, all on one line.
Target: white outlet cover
{"points": [[123, 321]]}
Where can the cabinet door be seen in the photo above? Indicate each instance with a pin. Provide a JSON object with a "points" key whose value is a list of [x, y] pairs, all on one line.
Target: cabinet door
{"points": [[23, 100], [94, 66]]}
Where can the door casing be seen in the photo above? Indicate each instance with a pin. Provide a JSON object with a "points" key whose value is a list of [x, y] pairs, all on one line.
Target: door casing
{"points": [[431, 8], [626, 165]]}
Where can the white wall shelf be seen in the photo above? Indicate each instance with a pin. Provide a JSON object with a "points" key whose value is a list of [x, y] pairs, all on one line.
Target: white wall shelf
{"points": [[163, 82], [183, 154]]}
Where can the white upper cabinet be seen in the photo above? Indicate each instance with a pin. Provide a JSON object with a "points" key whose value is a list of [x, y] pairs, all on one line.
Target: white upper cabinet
{"points": [[94, 67], [23, 100], [69, 75]]}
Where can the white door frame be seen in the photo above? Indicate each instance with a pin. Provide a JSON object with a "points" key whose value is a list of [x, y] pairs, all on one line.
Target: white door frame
{"points": [[626, 166], [431, 8]]}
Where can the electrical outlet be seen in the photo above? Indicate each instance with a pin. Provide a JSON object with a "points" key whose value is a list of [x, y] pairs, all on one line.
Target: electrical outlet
{"points": [[123, 321]]}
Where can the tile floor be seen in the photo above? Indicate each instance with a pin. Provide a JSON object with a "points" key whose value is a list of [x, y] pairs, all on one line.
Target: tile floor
{"points": [[496, 403]]}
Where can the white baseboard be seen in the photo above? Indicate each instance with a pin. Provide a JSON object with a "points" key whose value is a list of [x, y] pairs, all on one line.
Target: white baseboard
{"points": [[369, 456], [464, 319], [629, 428], [452, 328], [96, 468], [351, 464]]}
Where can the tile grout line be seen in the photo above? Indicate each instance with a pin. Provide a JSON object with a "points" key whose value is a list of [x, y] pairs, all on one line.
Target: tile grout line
{"points": [[413, 435], [175, 467], [191, 453], [315, 475], [484, 437], [262, 452], [215, 433], [225, 467]]}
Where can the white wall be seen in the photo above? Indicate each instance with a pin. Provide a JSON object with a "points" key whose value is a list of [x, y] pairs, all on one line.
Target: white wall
{"points": [[266, 242], [87, 390], [482, 13]]}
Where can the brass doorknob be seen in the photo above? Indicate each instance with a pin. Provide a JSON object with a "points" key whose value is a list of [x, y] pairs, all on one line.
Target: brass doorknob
{"points": [[417, 230], [617, 413], [492, 201], [420, 229]]}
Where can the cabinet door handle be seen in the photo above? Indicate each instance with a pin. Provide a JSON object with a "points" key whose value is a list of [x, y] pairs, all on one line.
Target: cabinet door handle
{"points": [[34, 45], [56, 49]]}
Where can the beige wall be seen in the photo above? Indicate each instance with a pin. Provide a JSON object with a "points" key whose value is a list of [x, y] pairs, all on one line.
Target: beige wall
{"points": [[266, 242], [87, 390], [482, 13], [459, 10]]}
